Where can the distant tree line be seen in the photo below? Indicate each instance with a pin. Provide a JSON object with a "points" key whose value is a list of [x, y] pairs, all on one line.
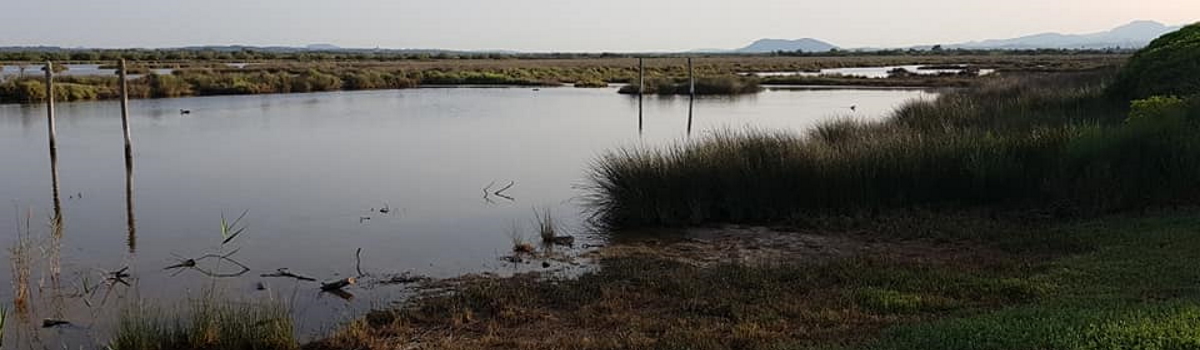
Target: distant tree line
{"points": [[248, 54]]}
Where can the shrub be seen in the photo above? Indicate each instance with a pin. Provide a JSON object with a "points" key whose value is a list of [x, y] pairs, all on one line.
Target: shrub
{"points": [[1170, 65]]}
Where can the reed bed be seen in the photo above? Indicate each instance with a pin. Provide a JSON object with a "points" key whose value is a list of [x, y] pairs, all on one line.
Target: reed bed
{"points": [[1044, 143]]}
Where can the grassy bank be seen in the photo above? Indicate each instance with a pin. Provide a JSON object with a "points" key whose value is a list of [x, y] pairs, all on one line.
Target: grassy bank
{"points": [[1124, 283], [201, 78], [1053, 144]]}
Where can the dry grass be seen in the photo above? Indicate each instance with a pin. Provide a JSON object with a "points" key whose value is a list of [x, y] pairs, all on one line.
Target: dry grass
{"points": [[546, 226]]}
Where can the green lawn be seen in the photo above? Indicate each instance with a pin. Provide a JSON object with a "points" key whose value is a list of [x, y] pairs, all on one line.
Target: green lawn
{"points": [[1138, 289]]}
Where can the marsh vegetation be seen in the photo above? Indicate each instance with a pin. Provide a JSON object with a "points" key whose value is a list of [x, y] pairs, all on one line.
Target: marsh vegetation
{"points": [[716, 75]]}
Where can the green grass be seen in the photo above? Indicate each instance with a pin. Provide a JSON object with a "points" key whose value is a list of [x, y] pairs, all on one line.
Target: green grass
{"points": [[1051, 144], [1137, 290], [206, 324]]}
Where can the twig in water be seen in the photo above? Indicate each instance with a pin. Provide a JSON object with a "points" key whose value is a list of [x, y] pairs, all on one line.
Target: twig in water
{"points": [[500, 192], [358, 262], [283, 272]]}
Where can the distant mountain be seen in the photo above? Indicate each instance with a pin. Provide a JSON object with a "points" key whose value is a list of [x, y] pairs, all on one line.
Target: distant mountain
{"points": [[774, 45], [1133, 35], [322, 47]]}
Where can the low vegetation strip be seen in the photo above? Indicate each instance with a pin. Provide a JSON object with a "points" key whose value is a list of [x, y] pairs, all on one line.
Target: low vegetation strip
{"points": [[718, 75]]}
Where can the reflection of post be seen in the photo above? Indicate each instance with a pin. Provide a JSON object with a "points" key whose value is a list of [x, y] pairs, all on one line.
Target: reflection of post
{"points": [[132, 239], [691, 104]]}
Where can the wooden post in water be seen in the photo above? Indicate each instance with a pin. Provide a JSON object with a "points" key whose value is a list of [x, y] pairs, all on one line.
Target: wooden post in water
{"points": [[125, 108], [691, 78], [50, 110], [53, 135], [641, 89], [691, 94], [131, 240], [641, 76]]}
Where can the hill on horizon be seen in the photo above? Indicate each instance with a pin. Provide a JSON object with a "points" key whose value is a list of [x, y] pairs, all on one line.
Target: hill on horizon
{"points": [[774, 45]]}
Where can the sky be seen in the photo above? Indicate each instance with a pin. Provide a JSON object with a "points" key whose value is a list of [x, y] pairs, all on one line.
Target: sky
{"points": [[560, 25]]}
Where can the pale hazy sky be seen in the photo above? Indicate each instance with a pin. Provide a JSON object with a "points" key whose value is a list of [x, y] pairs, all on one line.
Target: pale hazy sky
{"points": [[559, 25]]}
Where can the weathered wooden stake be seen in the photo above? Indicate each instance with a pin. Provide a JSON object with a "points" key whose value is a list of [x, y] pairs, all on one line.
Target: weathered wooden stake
{"points": [[125, 108], [50, 110], [641, 76], [691, 78], [641, 89], [53, 135]]}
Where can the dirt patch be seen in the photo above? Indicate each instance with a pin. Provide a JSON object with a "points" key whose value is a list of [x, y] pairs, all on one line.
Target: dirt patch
{"points": [[752, 245]]}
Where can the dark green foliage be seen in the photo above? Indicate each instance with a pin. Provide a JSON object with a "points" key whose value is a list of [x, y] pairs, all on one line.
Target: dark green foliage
{"points": [[1170, 65]]}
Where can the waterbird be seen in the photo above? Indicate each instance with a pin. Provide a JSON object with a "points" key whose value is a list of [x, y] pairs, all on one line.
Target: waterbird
{"points": [[184, 111], [854, 107]]}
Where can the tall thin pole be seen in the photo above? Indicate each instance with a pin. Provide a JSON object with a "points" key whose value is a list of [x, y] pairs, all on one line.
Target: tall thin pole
{"points": [[50, 110], [53, 135], [641, 76], [641, 90], [691, 78], [125, 107], [131, 240]]}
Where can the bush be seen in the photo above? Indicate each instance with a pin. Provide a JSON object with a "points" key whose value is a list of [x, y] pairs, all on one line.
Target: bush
{"points": [[1170, 65]]}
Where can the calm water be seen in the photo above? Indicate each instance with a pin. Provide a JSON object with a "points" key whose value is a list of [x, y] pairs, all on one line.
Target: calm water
{"points": [[869, 72], [309, 168]]}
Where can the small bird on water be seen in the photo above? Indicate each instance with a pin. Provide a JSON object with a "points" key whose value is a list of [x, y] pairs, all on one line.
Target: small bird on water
{"points": [[184, 111]]}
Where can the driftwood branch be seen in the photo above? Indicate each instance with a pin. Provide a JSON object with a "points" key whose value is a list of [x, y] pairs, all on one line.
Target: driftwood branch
{"points": [[358, 262], [283, 272], [500, 192]]}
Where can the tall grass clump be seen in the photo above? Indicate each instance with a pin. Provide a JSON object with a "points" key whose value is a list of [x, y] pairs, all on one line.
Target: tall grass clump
{"points": [[206, 323], [1052, 144]]}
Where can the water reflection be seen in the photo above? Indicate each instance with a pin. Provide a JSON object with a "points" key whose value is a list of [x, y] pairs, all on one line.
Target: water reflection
{"points": [[131, 239], [691, 106], [310, 165]]}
